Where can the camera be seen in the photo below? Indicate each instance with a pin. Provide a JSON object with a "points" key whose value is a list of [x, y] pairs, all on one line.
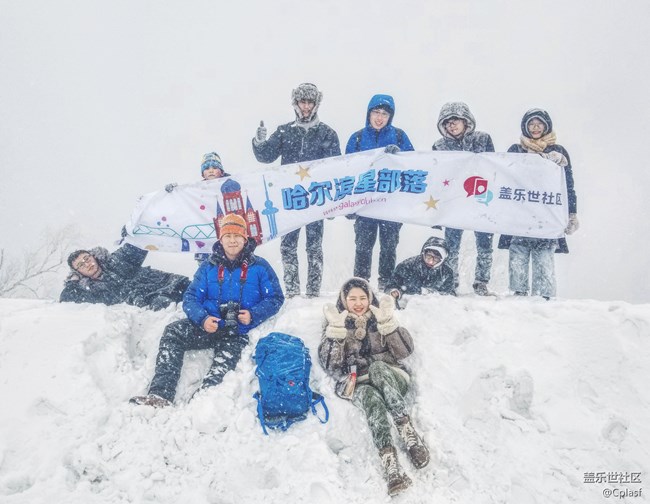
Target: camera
{"points": [[229, 314]]}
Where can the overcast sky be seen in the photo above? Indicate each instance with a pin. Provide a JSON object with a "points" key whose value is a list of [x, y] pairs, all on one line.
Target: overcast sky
{"points": [[103, 101]]}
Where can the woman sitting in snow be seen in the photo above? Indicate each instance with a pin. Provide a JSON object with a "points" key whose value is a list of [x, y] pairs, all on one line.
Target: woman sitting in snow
{"points": [[363, 341]]}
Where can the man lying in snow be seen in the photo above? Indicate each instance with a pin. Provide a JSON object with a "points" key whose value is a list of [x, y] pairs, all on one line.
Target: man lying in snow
{"points": [[100, 277], [424, 273]]}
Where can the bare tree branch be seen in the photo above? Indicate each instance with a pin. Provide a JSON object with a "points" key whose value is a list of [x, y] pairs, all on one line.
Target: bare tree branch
{"points": [[22, 275]]}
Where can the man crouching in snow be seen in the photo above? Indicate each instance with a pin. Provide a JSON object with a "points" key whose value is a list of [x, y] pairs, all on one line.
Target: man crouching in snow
{"points": [[100, 277], [424, 273], [231, 293]]}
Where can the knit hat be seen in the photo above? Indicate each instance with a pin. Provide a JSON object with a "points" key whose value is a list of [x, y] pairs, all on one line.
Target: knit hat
{"points": [[211, 160], [233, 223], [539, 114]]}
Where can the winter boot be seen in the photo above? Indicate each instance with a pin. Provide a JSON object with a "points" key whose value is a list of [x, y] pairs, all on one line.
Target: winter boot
{"points": [[150, 400], [395, 478], [480, 289], [418, 452]]}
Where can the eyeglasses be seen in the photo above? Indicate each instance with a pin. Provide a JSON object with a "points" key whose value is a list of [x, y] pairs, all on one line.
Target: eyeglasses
{"points": [[380, 112], [452, 122], [84, 261]]}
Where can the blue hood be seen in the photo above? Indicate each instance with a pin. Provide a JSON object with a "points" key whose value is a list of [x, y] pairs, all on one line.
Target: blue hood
{"points": [[376, 101]]}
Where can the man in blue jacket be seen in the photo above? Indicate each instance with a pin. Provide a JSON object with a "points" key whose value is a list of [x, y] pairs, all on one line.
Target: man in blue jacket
{"points": [[231, 293], [379, 132], [304, 139]]}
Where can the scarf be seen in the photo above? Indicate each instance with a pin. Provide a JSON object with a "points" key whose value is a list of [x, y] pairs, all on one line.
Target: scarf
{"points": [[539, 145]]}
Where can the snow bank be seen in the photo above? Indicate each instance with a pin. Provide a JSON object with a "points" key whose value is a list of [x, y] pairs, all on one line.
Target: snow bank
{"points": [[518, 399]]}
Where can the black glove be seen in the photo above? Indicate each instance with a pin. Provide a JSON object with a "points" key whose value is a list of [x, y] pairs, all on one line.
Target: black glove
{"points": [[351, 216], [392, 149], [170, 187]]}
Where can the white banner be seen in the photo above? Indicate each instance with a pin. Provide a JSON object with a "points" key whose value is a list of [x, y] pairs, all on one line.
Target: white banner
{"points": [[517, 194]]}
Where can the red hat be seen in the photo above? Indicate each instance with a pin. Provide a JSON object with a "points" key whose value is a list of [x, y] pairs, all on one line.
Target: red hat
{"points": [[235, 224]]}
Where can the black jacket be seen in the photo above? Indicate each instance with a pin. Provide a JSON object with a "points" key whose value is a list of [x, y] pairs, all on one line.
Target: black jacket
{"points": [[125, 280], [413, 276], [295, 143]]}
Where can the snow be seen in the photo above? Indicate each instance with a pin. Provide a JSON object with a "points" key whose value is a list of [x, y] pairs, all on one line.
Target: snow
{"points": [[518, 398]]}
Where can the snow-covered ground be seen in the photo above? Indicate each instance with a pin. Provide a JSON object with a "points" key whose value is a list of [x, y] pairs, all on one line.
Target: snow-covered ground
{"points": [[519, 399]]}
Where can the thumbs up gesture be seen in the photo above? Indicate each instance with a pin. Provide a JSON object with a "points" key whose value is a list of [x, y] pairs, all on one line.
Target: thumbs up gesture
{"points": [[260, 136]]}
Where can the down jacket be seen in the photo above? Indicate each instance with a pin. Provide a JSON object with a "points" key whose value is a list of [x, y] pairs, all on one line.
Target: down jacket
{"points": [[471, 141], [413, 276], [295, 144], [125, 280], [259, 292], [369, 138]]}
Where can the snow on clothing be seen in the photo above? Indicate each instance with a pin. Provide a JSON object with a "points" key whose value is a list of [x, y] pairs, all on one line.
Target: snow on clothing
{"points": [[540, 250], [296, 142], [216, 282], [413, 276], [125, 280], [471, 141], [366, 229], [377, 350]]}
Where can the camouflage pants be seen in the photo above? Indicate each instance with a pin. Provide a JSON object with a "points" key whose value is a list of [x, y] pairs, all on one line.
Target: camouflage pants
{"points": [[314, 248], [381, 395], [183, 335]]}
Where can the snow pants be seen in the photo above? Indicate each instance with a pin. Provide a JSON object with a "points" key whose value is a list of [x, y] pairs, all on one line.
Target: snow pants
{"points": [[483, 253], [381, 395], [314, 248], [183, 335], [365, 230], [542, 253]]}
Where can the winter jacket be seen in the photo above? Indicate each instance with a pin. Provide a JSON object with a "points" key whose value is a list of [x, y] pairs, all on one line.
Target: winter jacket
{"points": [[336, 354], [369, 138], [295, 143], [562, 247], [125, 280], [413, 276], [259, 292], [471, 141]]}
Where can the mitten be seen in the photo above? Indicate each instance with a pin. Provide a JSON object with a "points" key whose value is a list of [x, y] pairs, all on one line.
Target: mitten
{"points": [[170, 187], [392, 149], [573, 224], [385, 315], [335, 322], [260, 136], [557, 157]]}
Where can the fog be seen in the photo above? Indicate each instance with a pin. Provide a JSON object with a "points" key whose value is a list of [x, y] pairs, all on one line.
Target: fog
{"points": [[103, 101]]}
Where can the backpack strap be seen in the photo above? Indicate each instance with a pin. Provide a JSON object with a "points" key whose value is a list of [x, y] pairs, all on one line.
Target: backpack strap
{"points": [[400, 137], [260, 412], [316, 400]]}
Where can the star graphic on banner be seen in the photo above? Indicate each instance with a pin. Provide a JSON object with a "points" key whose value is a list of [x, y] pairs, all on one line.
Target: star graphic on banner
{"points": [[431, 203], [445, 182], [303, 172]]}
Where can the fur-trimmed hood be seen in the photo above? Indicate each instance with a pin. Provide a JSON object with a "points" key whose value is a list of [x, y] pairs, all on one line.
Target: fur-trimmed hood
{"points": [[455, 109]]}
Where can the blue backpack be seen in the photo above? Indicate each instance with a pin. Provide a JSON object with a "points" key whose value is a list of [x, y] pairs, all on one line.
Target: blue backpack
{"points": [[283, 366]]}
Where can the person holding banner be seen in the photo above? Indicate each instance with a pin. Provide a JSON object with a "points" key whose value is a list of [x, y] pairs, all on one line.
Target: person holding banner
{"points": [[538, 137], [363, 344], [457, 126], [378, 132], [304, 139], [232, 292]]}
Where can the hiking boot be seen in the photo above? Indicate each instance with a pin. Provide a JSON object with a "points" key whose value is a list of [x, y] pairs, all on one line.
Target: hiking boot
{"points": [[150, 400], [480, 289], [418, 452], [519, 293], [395, 478]]}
